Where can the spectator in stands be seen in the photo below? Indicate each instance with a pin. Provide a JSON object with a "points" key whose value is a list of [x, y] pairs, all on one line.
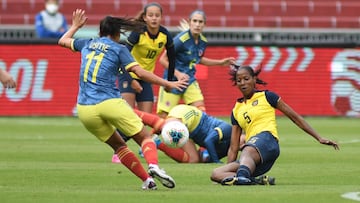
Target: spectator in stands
{"points": [[6, 79], [190, 46], [50, 23]]}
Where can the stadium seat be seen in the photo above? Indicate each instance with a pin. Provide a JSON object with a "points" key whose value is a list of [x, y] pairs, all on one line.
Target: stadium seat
{"points": [[222, 13]]}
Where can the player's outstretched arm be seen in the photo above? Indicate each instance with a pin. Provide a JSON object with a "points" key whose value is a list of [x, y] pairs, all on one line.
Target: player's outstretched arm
{"points": [[154, 79], [301, 123], [217, 62], [78, 20]]}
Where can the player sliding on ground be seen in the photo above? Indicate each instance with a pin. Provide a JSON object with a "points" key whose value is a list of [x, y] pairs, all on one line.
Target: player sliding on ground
{"points": [[254, 114]]}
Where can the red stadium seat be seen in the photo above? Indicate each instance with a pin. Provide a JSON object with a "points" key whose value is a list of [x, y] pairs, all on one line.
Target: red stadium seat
{"points": [[222, 13]]}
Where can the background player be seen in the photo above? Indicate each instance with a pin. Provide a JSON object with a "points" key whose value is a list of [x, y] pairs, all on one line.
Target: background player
{"points": [[190, 46], [146, 47]]}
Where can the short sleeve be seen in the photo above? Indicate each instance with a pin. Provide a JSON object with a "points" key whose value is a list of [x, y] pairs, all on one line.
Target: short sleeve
{"points": [[272, 98]]}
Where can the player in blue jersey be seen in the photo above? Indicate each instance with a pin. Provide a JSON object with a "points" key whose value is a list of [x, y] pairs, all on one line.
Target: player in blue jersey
{"points": [[190, 46], [204, 130], [146, 47], [100, 107], [254, 114]]}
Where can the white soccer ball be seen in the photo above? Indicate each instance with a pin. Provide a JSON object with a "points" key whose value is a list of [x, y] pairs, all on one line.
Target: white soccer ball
{"points": [[174, 134]]}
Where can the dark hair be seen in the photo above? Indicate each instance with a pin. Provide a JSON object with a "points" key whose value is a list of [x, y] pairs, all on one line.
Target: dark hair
{"points": [[140, 15], [114, 26], [235, 68]]}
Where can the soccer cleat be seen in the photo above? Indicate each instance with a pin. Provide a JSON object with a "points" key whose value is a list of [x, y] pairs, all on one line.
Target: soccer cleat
{"points": [[149, 184], [156, 139], [265, 180], [115, 159], [160, 174], [236, 181]]}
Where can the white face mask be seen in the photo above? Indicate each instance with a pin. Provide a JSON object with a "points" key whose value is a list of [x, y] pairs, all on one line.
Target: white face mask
{"points": [[52, 8]]}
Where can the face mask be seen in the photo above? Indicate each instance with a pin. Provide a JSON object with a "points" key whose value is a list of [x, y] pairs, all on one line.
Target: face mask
{"points": [[51, 8]]}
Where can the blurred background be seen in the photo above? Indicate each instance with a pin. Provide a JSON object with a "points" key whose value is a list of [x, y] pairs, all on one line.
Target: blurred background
{"points": [[307, 49]]}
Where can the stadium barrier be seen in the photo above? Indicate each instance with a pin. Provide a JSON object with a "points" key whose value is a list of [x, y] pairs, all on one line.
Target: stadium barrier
{"points": [[314, 80]]}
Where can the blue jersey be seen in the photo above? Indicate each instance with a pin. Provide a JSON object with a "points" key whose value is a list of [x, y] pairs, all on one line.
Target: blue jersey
{"points": [[102, 61], [206, 131], [187, 54]]}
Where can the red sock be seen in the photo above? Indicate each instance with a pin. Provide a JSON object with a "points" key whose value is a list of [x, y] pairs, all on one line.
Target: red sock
{"points": [[149, 150], [177, 154], [151, 120], [130, 160]]}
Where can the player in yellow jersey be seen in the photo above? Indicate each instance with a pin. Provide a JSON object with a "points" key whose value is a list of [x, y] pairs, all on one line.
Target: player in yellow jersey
{"points": [[254, 114], [146, 48]]}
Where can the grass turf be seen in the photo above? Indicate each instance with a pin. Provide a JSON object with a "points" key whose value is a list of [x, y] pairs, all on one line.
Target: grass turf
{"points": [[54, 159]]}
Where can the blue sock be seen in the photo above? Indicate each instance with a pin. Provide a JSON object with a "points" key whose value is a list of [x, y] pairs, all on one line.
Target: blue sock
{"points": [[243, 171]]}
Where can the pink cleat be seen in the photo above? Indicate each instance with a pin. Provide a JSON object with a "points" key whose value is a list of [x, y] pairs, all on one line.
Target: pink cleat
{"points": [[115, 159]]}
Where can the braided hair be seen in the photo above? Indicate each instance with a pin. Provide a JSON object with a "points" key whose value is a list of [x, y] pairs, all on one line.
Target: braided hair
{"points": [[253, 73]]}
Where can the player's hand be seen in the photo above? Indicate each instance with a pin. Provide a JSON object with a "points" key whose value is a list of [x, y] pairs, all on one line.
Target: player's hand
{"points": [[181, 75], [79, 19], [228, 61], [179, 85], [136, 86], [7, 80], [329, 142]]}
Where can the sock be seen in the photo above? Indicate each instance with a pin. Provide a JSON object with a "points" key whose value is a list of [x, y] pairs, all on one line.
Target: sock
{"points": [[149, 151], [128, 159], [177, 154], [243, 171], [151, 120]]}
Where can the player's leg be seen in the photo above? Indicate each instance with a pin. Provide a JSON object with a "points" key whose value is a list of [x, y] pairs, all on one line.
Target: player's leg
{"points": [[256, 158], [132, 126], [228, 170], [193, 96], [101, 128], [190, 149], [145, 99], [149, 151], [127, 92], [166, 101], [154, 121]]}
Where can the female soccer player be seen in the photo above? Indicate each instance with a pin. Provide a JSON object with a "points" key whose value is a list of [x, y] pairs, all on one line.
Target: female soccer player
{"points": [[100, 108], [190, 46], [146, 47], [254, 113], [205, 131]]}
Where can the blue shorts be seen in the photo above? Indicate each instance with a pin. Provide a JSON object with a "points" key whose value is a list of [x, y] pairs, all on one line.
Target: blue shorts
{"points": [[268, 147], [146, 95]]}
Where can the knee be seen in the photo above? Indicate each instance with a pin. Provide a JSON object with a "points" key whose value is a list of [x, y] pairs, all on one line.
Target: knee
{"points": [[215, 176]]}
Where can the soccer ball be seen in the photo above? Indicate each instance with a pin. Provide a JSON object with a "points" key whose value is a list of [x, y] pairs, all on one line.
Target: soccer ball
{"points": [[174, 134]]}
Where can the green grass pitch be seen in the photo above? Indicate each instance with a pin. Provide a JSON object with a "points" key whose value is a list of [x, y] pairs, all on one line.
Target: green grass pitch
{"points": [[54, 159]]}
